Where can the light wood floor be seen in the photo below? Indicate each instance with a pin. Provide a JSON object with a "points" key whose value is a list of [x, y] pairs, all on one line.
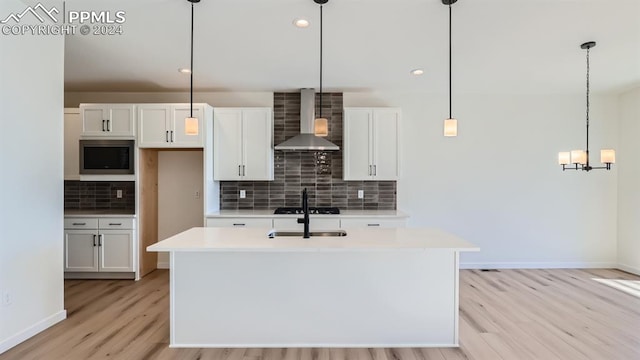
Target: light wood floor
{"points": [[506, 314]]}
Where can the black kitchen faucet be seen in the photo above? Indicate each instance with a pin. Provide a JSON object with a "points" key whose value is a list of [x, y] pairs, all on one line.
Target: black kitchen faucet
{"points": [[305, 210]]}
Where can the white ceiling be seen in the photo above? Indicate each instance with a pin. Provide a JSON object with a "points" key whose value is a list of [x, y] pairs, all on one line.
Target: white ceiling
{"points": [[500, 46]]}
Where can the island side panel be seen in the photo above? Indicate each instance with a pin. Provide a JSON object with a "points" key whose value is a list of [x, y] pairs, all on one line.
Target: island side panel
{"points": [[391, 298]]}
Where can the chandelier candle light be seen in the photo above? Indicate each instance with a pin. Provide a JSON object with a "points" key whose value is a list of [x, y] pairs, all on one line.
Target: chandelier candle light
{"points": [[191, 123], [580, 158], [450, 124]]}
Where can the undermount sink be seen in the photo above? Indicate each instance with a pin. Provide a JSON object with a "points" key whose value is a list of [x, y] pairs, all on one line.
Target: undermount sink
{"points": [[274, 233]]}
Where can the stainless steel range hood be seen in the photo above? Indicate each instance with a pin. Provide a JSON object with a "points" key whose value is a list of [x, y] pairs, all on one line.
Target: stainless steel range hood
{"points": [[306, 140]]}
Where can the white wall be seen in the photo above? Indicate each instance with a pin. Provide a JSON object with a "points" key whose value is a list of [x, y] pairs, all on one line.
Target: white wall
{"points": [[222, 99], [498, 184], [629, 182], [180, 176], [31, 185]]}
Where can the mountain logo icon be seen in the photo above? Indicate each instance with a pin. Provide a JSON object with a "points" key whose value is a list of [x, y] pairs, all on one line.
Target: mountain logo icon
{"points": [[34, 11]]}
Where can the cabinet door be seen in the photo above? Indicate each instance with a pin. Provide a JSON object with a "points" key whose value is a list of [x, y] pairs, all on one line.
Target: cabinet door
{"points": [[72, 131], [385, 144], [373, 223], [357, 160], [316, 223], [120, 120], [116, 250], [180, 139], [227, 144], [80, 250], [257, 131], [240, 222], [94, 120], [153, 130]]}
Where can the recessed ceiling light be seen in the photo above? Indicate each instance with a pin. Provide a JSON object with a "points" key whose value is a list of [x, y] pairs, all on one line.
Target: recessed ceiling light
{"points": [[301, 23], [185, 70], [417, 72]]}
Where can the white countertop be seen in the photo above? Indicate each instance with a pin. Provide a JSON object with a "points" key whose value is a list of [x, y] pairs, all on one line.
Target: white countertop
{"points": [[256, 240], [343, 214]]}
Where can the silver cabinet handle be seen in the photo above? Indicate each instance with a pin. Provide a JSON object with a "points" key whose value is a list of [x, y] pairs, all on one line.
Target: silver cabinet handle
{"points": [[369, 170], [239, 170], [103, 121], [375, 170], [243, 171], [100, 238], [239, 224], [373, 224], [77, 224], [166, 136], [115, 224], [172, 140], [94, 240], [108, 125]]}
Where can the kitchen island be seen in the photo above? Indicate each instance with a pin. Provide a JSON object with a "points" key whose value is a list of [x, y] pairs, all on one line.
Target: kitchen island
{"points": [[234, 287]]}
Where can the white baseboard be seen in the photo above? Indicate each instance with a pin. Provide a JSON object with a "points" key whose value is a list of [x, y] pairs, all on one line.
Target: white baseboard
{"points": [[162, 265], [629, 269], [540, 265], [32, 330]]}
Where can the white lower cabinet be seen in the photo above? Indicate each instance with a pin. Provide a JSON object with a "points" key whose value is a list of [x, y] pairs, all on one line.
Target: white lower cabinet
{"points": [[240, 222], [80, 251], [99, 245], [373, 223], [315, 224]]}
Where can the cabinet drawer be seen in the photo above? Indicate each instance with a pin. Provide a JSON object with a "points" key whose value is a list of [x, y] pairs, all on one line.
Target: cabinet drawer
{"points": [[80, 223], [314, 224], [372, 223], [239, 222], [115, 223]]}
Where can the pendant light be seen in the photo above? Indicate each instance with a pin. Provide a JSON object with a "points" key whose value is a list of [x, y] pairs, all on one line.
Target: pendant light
{"points": [[191, 123], [580, 158], [321, 124], [450, 124]]}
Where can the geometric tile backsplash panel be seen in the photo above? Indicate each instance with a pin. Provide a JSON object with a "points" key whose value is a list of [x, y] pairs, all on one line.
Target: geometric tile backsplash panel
{"points": [[297, 170], [99, 195]]}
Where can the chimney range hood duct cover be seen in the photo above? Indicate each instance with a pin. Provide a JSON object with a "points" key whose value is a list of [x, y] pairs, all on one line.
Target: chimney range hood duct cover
{"points": [[306, 140]]}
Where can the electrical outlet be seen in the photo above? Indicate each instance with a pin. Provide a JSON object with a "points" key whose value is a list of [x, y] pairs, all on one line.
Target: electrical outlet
{"points": [[119, 194], [6, 298], [243, 194], [197, 194], [360, 194]]}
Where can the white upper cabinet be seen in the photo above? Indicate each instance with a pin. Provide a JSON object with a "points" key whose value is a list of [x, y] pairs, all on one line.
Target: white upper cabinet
{"points": [[371, 146], [242, 144], [162, 126], [108, 120]]}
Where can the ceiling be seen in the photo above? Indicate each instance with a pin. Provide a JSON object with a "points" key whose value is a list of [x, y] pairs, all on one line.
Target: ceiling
{"points": [[499, 46]]}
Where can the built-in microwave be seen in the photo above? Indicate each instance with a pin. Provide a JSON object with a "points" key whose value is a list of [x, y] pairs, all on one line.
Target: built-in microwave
{"points": [[107, 157]]}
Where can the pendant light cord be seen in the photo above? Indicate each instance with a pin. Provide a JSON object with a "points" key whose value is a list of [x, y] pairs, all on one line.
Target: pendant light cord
{"points": [[450, 97], [588, 105], [191, 94], [321, 60]]}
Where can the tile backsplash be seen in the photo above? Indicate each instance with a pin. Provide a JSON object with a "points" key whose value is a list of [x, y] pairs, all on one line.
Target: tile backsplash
{"points": [[99, 195], [320, 173]]}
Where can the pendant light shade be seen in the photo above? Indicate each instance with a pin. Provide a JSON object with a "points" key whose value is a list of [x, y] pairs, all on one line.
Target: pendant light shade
{"points": [[580, 158], [321, 127], [450, 127], [191, 124], [450, 124], [321, 124]]}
